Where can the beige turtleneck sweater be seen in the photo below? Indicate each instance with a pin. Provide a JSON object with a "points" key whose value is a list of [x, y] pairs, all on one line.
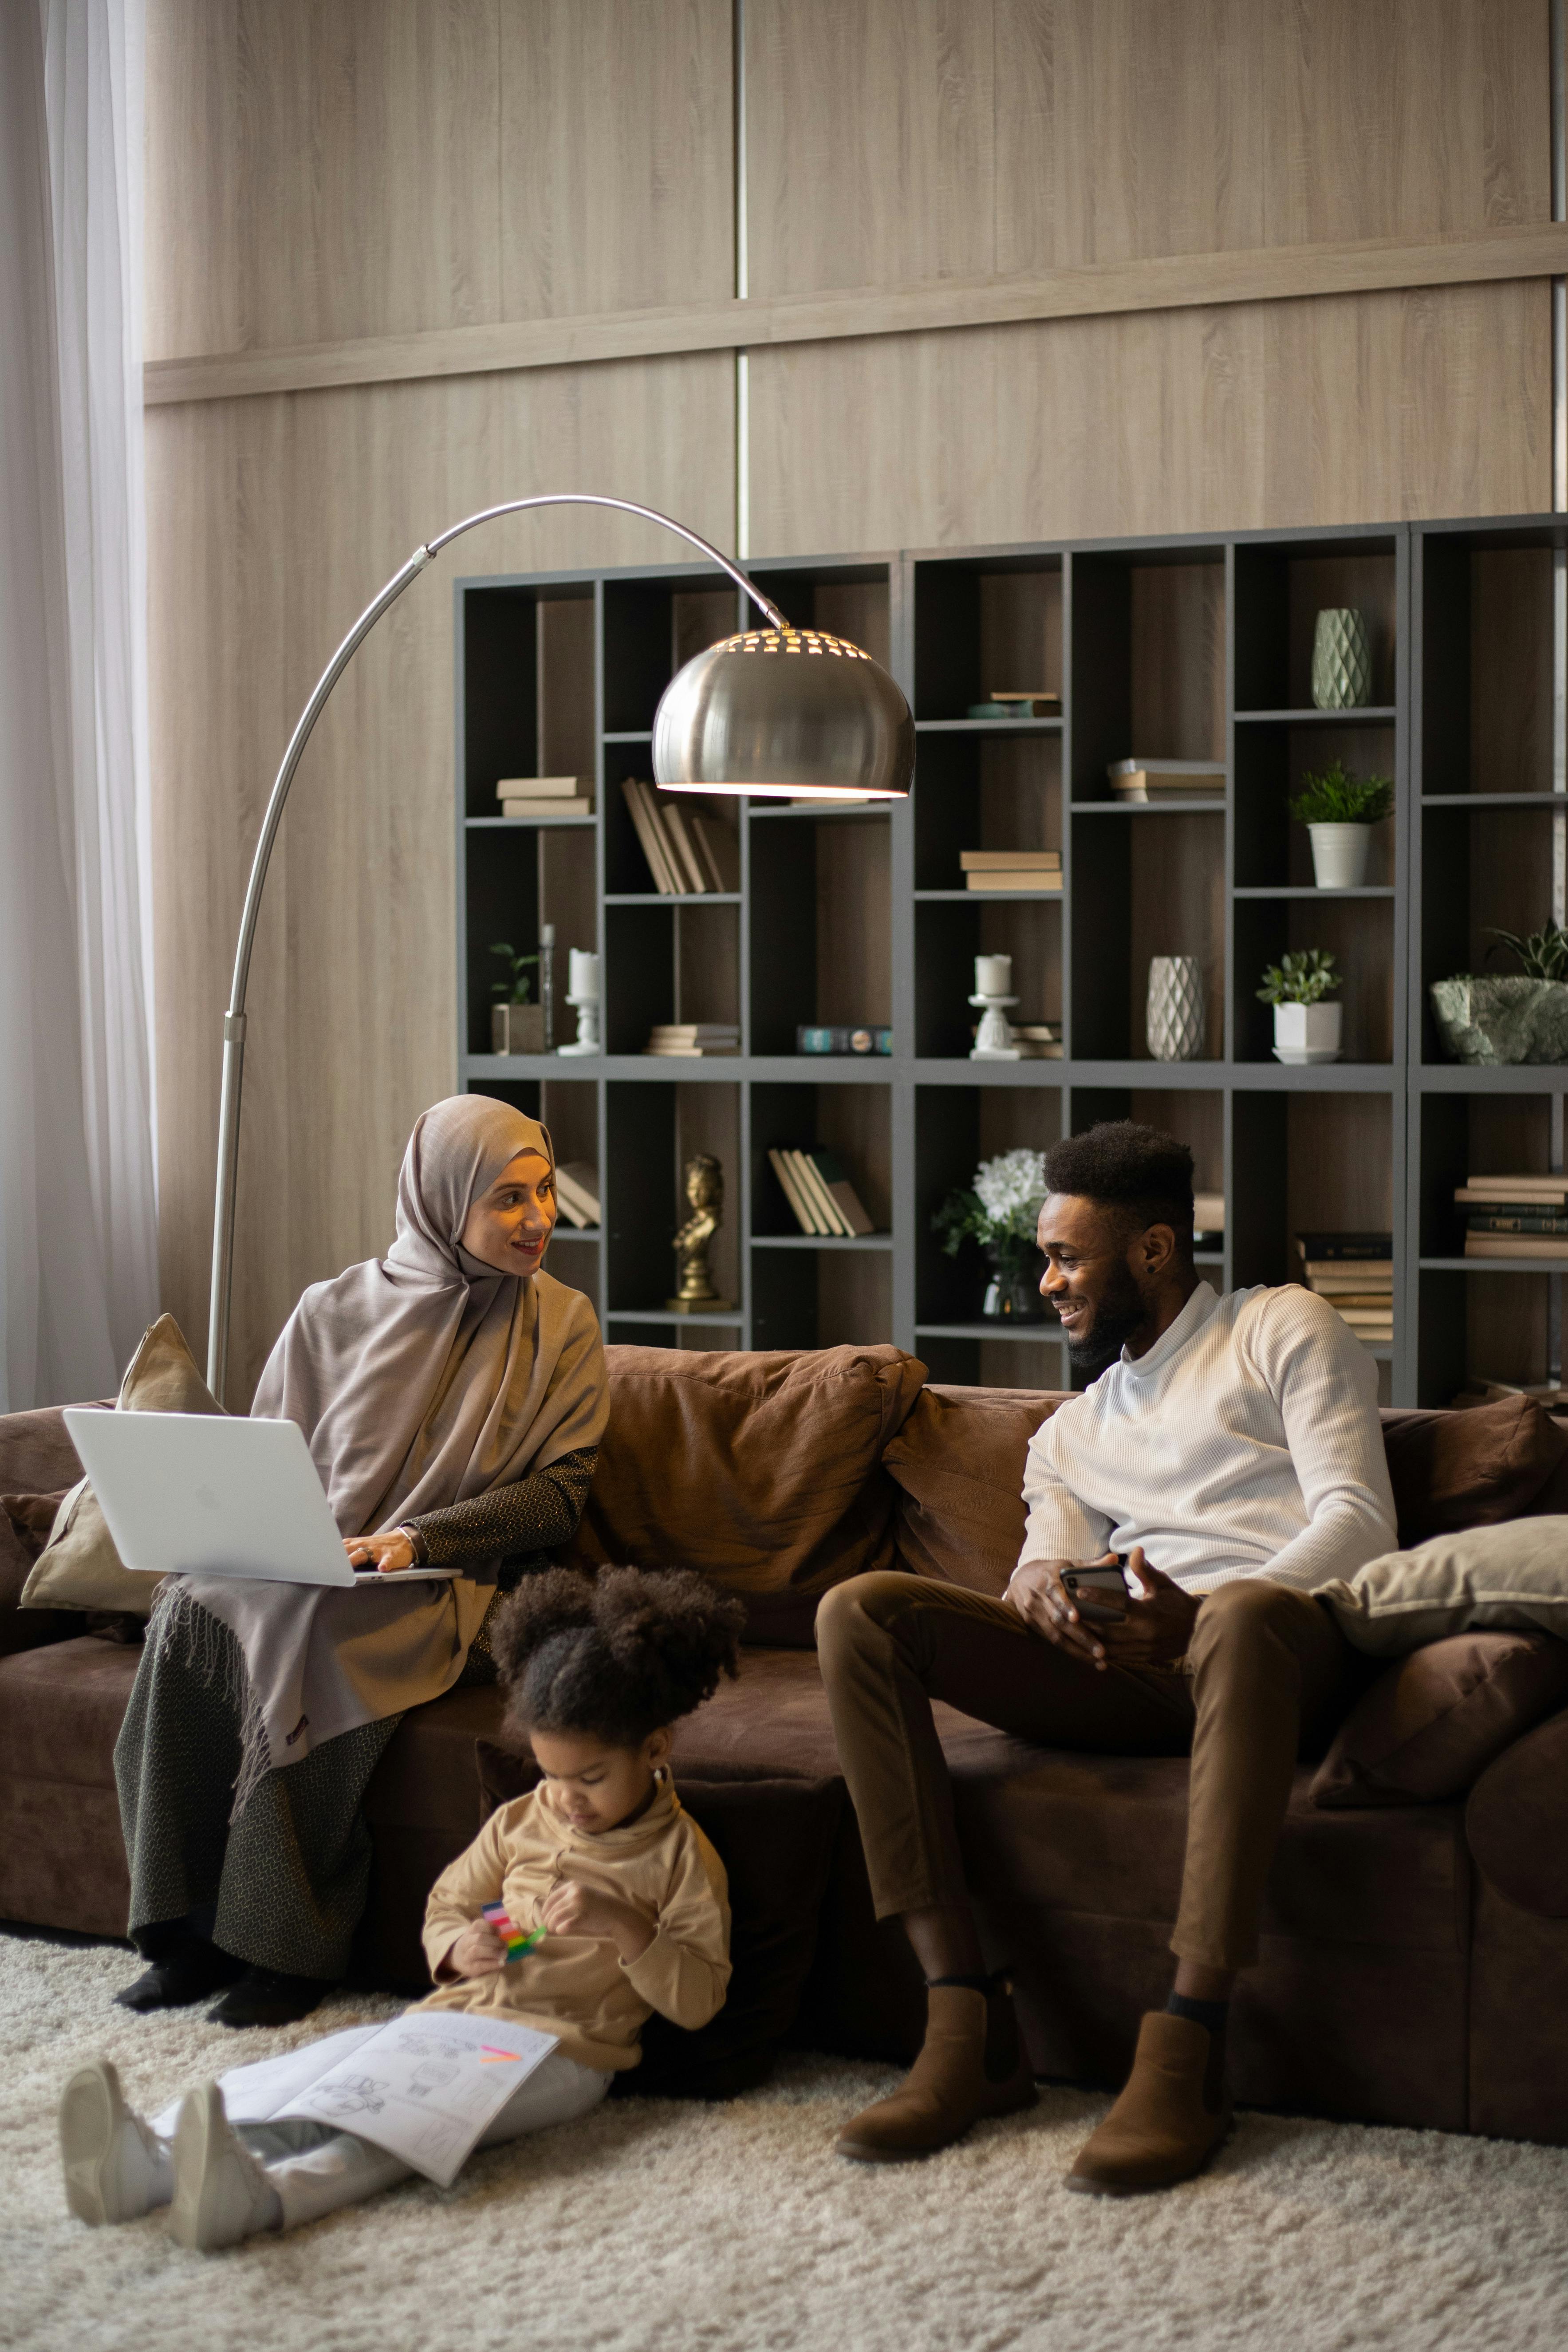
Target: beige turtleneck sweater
{"points": [[578, 1986]]}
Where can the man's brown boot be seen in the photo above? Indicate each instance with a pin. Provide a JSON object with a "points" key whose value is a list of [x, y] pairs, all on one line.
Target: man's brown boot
{"points": [[972, 2064], [1172, 2117]]}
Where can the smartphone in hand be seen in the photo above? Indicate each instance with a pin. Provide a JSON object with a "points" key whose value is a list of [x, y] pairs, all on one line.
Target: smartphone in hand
{"points": [[1099, 1593]]}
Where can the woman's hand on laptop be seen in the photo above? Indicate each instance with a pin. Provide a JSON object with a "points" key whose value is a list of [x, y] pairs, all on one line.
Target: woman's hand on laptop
{"points": [[379, 1551]]}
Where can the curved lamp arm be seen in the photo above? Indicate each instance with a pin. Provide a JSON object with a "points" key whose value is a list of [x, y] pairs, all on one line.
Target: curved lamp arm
{"points": [[234, 1020]]}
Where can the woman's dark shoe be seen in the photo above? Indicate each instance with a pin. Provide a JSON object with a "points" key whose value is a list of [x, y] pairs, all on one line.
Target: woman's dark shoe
{"points": [[187, 1967], [267, 1997]]}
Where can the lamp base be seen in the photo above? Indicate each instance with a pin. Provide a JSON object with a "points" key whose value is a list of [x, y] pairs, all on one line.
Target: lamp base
{"points": [[579, 1048], [697, 1305]]}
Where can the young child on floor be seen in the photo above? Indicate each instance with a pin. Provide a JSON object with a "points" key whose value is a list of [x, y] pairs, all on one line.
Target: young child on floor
{"points": [[630, 1894]]}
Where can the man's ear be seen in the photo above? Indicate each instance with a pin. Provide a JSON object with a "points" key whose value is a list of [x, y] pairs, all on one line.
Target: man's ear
{"points": [[1157, 1246]]}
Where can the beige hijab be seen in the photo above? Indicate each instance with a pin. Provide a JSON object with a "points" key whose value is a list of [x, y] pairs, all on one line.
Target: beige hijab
{"points": [[419, 1378]]}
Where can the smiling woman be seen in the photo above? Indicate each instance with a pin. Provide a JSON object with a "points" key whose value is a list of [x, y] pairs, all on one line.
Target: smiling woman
{"points": [[453, 1395]]}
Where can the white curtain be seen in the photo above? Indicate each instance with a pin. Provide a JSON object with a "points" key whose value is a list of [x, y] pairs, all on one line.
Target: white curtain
{"points": [[77, 1203]]}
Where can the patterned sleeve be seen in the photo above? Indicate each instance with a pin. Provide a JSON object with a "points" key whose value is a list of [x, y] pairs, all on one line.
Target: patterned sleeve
{"points": [[536, 1513]]}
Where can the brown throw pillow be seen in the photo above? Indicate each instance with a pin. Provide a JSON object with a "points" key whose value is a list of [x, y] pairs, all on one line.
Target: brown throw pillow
{"points": [[958, 1462], [78, 1567], [1454, 1470], [775, 1840], [761, 1470], [1430, 1725]]}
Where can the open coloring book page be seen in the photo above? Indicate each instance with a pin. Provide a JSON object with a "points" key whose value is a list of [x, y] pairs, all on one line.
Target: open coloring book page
{"points": [[423, 2087]]}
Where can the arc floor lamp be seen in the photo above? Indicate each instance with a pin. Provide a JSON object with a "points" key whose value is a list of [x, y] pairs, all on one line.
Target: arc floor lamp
{"points": [[779, 712]]}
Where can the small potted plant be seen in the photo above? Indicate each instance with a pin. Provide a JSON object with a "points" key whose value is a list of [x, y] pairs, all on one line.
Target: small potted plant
{"points": [[1001, 1212], [1305, 1029], [1339, 811], [516, 1025], [1512, 1017]]}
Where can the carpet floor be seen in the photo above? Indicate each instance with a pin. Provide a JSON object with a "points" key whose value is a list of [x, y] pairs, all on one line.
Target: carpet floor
{"points": [[734, 2229]]}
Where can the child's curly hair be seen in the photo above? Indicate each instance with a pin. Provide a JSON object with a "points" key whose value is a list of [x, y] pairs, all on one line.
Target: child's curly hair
{"points": [[615, 1655]]}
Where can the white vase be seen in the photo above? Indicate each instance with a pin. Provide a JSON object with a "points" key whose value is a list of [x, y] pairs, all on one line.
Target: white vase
{"points": [[1340, 855], [1307, 1033], [1173, 1023]]}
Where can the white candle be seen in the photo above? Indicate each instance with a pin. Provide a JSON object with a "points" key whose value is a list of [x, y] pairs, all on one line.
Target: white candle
{"points": [[994, 975], [584, 974]]}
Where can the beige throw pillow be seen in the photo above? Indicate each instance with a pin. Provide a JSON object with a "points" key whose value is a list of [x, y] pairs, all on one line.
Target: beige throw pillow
{"points": [[79, 1568], [1512, 1575]]}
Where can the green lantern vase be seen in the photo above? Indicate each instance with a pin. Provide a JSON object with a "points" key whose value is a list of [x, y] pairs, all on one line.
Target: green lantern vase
{"points": [[1342, 660]]}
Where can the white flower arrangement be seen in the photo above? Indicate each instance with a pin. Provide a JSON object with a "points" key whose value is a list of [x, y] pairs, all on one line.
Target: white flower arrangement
{"points": [[1012, 1188]]}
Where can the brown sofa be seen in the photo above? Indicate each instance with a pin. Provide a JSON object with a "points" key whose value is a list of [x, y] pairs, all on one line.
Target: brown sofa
{"points": [[1415, 1956]]}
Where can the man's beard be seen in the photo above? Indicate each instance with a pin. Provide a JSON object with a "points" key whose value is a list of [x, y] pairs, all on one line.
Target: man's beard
{"points": [[1119, 1313]]}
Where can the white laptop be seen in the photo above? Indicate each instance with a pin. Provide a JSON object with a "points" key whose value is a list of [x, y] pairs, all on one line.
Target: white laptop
{"points": [[201, 1494]]}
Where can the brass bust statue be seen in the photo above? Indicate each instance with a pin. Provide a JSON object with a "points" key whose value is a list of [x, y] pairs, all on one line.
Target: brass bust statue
{"points": [[695, 1292]]}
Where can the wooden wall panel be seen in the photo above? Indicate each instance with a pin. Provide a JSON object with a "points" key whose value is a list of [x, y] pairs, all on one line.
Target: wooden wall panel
{"points": [[333, 168], [272, 522], [869, 141], [1369, 408]]}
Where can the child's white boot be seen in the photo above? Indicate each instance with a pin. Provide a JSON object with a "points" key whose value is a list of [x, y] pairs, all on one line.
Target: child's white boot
{"points": [[116, 2168], [221, 2193]]}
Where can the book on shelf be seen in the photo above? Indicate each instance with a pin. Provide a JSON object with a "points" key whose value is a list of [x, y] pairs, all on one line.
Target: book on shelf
{"points": [[1208, 1213], [689, 857], [532, 808], [543, 788], [577, 1193], [1517, 1246], [1333, 1277], [1335, 1249], [1517, 1221], [1017, 704], [838, 1039], [1023, 877], [995, 861], [1044, 699], [1150, 780], [816, 1185], [1553, 1188], [692, 1040]]}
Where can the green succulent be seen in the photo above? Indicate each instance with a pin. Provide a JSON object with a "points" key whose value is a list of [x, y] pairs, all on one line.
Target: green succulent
{"points": [[514, 989], [1542, 955], [1300, 979], [1336, 797]]}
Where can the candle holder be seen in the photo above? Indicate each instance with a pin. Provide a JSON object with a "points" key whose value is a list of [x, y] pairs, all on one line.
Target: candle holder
{"points": [[993, 984], [582, 996]]}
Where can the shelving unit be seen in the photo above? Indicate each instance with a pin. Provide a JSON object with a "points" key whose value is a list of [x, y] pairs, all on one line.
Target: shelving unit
{"points": [[1196, 648]]}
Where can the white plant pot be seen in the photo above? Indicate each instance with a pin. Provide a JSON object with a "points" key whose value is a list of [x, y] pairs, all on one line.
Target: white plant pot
{"points": [[1339, 856], [1307, 1033]]}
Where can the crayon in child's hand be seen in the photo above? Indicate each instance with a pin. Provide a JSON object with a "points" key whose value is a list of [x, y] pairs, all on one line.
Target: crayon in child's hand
{"points": [[518, 1940]]}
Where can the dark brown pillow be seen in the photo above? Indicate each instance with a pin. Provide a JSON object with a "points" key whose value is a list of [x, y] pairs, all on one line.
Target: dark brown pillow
{"points": [[1430, 1725], [958, 1463], [1454, 1470], [774, 1839]]}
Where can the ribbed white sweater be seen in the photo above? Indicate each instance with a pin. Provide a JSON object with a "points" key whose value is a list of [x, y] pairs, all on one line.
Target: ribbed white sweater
{"points": [[1245, 1443]]}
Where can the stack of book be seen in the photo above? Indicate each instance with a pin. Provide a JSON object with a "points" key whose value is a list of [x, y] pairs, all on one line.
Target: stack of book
{"points": [[1011, 869], [689, 856], [691, 1040], [1355, 1272], [1208, 1218], [838, 1040], [577, 1193], [818, 1190], [537, 796], [1018, 702], [1515, 1216], [1038, 1041], [1166, 779]]}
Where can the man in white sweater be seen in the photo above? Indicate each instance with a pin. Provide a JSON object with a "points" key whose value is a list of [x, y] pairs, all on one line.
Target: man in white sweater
{"points": [[1229, 1452]]}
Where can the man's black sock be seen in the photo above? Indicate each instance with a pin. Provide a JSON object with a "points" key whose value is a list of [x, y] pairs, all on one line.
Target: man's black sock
{"points": [[1212, 2013]]}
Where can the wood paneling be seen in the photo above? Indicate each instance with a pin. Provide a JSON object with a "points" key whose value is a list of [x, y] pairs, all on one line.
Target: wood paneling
{"points": [[271, 523], [1370, 408]]}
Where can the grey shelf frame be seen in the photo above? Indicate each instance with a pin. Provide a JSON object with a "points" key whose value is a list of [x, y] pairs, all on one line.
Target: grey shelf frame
{"points": [[1421, 1090]]}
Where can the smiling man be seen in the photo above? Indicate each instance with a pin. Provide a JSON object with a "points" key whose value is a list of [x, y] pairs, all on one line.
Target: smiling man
{"points": [[1228, 1451]]}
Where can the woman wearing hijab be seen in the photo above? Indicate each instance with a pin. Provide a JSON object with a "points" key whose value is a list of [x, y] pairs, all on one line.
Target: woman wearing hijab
{"points": [[453, 1395]]}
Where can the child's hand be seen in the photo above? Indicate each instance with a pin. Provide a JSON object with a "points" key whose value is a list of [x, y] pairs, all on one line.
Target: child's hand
{"points": [[478, 1952], [572, 1909]]}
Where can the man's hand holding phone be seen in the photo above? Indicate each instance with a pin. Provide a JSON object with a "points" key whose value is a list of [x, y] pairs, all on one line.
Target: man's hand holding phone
{"points": [[1075, 1604]]}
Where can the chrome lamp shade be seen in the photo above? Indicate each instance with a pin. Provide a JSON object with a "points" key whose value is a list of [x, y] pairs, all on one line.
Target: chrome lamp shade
{"points": [[788, 713]]}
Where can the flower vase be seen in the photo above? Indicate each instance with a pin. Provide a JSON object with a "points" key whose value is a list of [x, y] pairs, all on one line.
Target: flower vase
{"points": [[1012, 1295], [1174, 1022], [1342, 660]]}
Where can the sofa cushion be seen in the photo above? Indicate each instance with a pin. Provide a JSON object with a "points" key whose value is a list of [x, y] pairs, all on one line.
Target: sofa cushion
{"points": [[958, 1463], [1430, 1725], [61, 1708], [80, 1568], [1454, 1470], [774, 1839], [761, 1470], [1516, 1823], [1513, 1575]]}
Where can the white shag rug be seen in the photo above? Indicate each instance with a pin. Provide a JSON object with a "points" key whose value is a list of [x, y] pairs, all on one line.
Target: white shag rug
{"points": [[655, 2224]]}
